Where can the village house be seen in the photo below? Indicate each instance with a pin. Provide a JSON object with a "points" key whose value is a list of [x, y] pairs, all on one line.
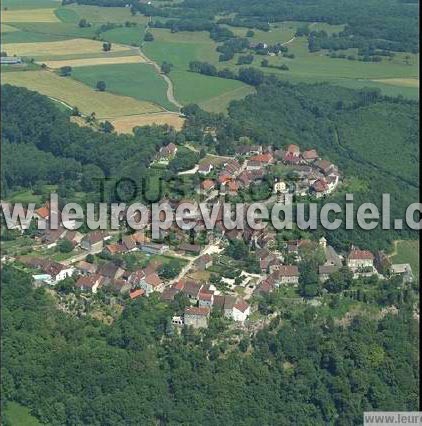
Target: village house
{"points": [[404, 270], [167, 152], [86, 268], [205, 299], [249, 150], [151, 283], [319, 188], [135, 294], [241, 311], [129, 243], [121, 286], [207, 185], [360, 260], [193, 249], [94, 241], [110, 271], [324, 272], [325, 166], [259, 161], [286, 274], [55, 271], [114, 248], [169, 294], [205, 168], [231, 187], [196, 317], [90, 282], [191, 289], [310, 155], [52, 236], [154, 248]]}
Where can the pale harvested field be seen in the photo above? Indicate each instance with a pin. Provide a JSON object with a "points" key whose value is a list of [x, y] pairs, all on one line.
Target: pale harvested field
{"points": [[84, 62], [126, 124], [73, 93], [406, 82], [29, 15], [56, 48]]}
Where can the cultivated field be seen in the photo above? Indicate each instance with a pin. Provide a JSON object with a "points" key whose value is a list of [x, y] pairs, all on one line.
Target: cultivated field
{"points": [[126, 124], [73, 93], [60, 48], [406, 82], [139, 81], [86, 62], [29, 15]]}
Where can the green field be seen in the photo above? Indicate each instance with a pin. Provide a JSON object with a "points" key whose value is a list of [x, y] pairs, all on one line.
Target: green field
{"points": [[51, 31], [95, 14], [181, 48], [29, 4], [18, 415], [125, 35], [139, 81], [408, 252]]}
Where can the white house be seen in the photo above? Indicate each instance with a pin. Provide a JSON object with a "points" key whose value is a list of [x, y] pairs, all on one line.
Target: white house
{"points": [[360, 260], [241, 311]]}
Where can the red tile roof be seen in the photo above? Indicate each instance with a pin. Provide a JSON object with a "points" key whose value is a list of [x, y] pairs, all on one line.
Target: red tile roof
{"points": [[294, 149], [241, 305], [193, 310], [136, 293], [262, 158], [360, 255]]}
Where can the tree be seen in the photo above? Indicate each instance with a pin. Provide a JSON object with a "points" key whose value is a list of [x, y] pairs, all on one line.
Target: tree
{"points": [[106, 127], [107, 46], [65, 246], [83, 23], [166, 67], [148, 37], [65, 71], [250, 33], [265, 63], [101, 86]]}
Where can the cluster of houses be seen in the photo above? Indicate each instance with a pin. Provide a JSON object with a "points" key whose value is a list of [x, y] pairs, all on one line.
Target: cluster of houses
{"points": [[311, 174], [204, 298]]}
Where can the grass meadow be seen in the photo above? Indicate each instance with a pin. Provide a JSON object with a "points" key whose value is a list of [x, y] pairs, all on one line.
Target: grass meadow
{"points": [[139, 81], [408, 252]]}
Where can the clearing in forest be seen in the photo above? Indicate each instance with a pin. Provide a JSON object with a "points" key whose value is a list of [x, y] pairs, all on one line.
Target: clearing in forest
{"points": [[126, 124]]}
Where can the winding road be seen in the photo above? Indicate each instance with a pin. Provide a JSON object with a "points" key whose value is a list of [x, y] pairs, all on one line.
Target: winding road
{"points": [[170, 87]]}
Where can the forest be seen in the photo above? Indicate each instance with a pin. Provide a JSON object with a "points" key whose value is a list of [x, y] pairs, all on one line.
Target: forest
{"points": [[302, 368]]}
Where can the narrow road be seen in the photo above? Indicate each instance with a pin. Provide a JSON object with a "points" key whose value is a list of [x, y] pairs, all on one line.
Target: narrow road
{"points": [[170, 87]]}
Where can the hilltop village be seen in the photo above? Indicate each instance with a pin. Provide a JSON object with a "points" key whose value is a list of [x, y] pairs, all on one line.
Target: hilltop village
{"points": [[202, 272]]}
